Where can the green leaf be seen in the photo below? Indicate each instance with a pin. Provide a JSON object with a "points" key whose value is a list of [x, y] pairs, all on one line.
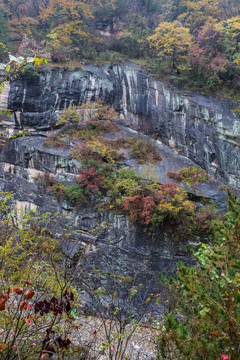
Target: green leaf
{"points": [[222, 283], [7, 69]]}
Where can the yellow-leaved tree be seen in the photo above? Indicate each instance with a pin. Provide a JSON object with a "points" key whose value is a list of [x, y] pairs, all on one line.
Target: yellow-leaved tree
{"points": [[68, 19], [197, 12], [171, 42], [230, 31]]}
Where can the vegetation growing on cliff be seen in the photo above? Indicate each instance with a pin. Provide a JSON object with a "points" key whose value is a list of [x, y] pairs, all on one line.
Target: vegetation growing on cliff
{"points": [[201, 42], [190, 175], [117, 187], [39, 305]]}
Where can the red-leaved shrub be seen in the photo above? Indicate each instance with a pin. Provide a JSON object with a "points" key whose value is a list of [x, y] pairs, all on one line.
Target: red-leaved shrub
{"points": [[91, 178], [141, 208]]}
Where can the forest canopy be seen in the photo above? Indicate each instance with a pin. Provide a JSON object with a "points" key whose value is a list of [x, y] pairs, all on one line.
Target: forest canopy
{"points": [[199, 39]]}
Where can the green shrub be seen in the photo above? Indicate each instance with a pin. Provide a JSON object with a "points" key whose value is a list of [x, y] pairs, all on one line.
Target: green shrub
{"points": [[127, 183], [127, 45], [204, 301], [191, 175], [86, 50], [30, 73], [128, 173], [108, 172], [143, 151], [92, 130], [112, 56], [76, 193], [127, 187], [71, 115]]}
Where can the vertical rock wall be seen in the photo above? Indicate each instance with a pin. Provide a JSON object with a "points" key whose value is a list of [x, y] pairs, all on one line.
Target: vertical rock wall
{"points": [[121, 247], [201, 128]]}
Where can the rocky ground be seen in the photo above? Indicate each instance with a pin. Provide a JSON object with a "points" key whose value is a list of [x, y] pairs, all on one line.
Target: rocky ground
{"points": [[93, 335]]}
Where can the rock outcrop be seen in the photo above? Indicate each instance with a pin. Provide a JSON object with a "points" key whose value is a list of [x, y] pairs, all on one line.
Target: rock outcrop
{"points": [[202, 128], [187, 130], [123, 248]]}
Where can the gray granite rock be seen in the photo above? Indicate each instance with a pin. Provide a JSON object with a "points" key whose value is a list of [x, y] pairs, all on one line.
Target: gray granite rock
{"points": [[202, 128], [187, 130]]}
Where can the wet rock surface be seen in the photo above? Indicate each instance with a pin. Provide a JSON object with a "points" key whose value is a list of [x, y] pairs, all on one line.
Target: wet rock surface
{"points": [[122, 247], [186, 130], [202, 128]]}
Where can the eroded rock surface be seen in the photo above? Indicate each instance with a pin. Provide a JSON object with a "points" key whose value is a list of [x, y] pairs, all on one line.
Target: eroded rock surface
{"points": [[123, 248], [202, 128], [187, 130]]}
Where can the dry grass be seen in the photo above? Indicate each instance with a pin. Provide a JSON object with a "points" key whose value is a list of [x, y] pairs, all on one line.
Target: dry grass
{"points": [[55, 140], [92, 130]]}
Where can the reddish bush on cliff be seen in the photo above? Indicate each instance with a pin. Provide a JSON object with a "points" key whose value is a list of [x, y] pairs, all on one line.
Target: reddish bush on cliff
{"points": [[168, 191], [141, 208], [91, 178]]}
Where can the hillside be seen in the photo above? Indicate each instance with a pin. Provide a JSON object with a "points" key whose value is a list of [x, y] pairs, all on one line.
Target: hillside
{"points": [[119, 180]]}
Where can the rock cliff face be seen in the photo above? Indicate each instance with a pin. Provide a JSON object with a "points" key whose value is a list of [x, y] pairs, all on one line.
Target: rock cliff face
{"points": [[187, 129], [123, 248], [203, 129]]}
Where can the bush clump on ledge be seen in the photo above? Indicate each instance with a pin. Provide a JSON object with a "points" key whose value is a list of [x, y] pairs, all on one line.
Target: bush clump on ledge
{"points": [[191, 175]]}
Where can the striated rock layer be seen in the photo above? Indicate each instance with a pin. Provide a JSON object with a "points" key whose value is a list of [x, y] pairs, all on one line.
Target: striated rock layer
{"points": [[122, 247], [201, 128]]}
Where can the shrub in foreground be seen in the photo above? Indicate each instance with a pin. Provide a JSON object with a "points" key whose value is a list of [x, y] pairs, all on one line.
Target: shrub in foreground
{"points": [[204, 301]]}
